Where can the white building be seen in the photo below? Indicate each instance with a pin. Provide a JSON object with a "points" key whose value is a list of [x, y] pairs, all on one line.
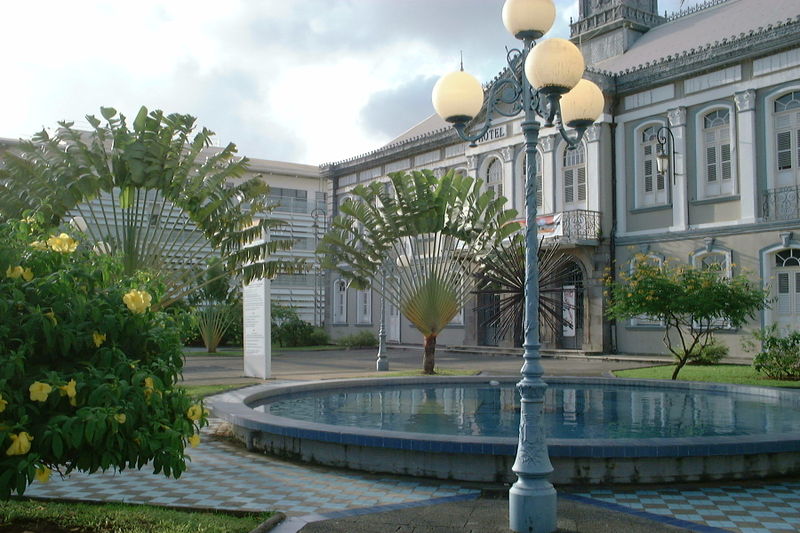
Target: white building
{"points": [[724, 77]]}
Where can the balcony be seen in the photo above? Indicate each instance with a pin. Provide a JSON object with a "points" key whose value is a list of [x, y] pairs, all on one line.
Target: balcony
{"points": [[781, 203], [579, 227]]}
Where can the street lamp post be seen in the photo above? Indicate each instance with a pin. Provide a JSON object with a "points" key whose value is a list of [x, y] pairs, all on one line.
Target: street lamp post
{"points": [[382, 363], [542, 80]]}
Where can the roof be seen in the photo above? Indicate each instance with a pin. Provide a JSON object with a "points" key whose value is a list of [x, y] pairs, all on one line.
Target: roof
{"points": [[696, 29], [430, 124]]}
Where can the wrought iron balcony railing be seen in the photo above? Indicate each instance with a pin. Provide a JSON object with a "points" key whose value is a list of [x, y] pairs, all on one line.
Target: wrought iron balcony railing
{"points": [[782, 203], [575, 226]]}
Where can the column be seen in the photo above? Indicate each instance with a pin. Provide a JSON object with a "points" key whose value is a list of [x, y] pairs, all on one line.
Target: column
{"points": [[747, 173], [593, 167], [547, 144], [680, 182]]}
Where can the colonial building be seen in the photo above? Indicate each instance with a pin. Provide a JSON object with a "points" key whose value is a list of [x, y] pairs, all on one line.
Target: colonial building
{"points": [[719, 85]]}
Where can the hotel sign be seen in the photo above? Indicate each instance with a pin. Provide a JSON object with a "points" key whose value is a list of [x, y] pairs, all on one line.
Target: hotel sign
{"points": [[498, 132]]}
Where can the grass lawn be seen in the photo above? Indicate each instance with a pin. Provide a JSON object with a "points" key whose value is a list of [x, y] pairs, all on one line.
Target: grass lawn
{"points": [[56, 517], [439, 372], [319, 348], [200, 391], [221, 352], [738, 374], [239, 352]]}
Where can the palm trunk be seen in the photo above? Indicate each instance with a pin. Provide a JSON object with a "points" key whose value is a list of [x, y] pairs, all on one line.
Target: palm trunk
{"points": [[428, 354]]}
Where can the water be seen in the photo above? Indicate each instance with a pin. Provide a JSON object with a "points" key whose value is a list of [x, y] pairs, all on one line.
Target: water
{"points": [[572, 411]]}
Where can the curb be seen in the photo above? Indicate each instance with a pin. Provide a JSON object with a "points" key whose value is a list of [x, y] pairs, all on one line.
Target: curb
{"points": [[269, 523]]}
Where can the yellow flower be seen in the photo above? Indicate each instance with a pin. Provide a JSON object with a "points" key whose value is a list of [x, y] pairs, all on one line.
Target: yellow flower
{"points": [[3, 403], [63, 243], [98, 338], [120, 418], [43, 474], [20, 444], [38, 245], [149, 387], [39, 391], [69, 391], [14, 272], [52, 316], [195, 412], [27, 274], [194, 440], [137, 301]]}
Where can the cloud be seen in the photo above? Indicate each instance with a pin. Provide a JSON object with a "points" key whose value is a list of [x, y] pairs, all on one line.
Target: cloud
{"points": [[392, 111]]}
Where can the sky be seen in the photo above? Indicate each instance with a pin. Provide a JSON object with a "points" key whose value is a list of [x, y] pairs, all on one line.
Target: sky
{"points": [[304, 81]]}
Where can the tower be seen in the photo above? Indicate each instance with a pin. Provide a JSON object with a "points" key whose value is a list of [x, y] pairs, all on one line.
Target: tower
{"points": [[607, 28]]}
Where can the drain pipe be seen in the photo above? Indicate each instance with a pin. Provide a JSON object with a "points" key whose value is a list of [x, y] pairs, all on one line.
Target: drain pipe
{"points": [[612, 240]]}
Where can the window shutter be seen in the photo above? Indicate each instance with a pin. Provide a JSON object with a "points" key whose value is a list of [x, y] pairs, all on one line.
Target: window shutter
{"points": [[569, 195], [648, 175], [726, 161], [784, 150], [711, 163], [539, 193], [797, 292], [784, 306], [660, 182], [581, 184]]}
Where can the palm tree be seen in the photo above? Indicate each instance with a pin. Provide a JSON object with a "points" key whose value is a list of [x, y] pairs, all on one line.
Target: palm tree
{"points": [[502, 274], [431, 232], [157, 195]]}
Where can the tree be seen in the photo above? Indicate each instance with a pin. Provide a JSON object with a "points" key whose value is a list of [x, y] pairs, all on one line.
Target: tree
{"points": [[691, 303], [157, 196], [502, 274], [430, 233], [215, 304]]}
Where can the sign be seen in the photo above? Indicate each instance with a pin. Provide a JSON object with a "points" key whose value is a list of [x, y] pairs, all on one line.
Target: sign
{"points": [[257, 330], [498, 132]]}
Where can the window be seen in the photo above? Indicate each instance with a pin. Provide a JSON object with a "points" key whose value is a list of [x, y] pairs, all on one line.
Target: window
{"points": [[656, 260], [293, 200], [364, 307], [720, 261], [717, 154], [787, 290], [573, 173], [787, 137], [340, 301], [652, 184], [494, 177]]}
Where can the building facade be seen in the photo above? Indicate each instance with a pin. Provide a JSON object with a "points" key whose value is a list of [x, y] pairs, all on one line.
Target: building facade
{"points": [[723, 81]]}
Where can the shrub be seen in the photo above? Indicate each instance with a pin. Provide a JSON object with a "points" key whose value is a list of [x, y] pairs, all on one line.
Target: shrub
{"points": [[318, 337], [779, 357], [292, 332], [364, 339], [87, 369], [710, 354]]}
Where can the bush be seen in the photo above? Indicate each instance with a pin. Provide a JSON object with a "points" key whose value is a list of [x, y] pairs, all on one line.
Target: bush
{"points": [[779, 357], [87, 368], [711, 354], [318, 337], [364, 339]]}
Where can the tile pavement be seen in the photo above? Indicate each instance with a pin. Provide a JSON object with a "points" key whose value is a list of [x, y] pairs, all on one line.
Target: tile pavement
{"points": [[224, 476], [762, 508]]}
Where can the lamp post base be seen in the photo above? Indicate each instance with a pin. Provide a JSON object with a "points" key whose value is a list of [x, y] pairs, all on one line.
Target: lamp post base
{"points": [[532, 507], [382, 364]]}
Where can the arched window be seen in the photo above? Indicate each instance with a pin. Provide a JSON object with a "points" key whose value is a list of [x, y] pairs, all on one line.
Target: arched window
{"points": [[787, 289], [655, 260], [340, 301], [787, 133], [717, 154], [719, 260], [494, 177], [573, 173], [364, 306], [652, 184]]}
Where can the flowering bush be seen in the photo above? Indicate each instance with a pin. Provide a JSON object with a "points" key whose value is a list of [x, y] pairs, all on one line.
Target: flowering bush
{"points": [[87, 370]]}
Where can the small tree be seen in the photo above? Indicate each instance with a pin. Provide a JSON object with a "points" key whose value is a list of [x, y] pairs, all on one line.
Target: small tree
{"points": [[430, 232], [215, 304], [691, 303]]}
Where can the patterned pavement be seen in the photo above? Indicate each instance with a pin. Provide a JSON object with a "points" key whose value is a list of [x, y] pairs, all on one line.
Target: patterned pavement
{"points": [[764, 508], [224, 476]]}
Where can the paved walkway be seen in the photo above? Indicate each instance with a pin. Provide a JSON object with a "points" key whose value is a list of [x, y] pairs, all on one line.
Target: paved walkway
{"points": [[325, 500]]}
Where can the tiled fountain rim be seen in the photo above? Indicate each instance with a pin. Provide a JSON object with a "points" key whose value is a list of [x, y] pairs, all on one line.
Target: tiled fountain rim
{"points": [[234, 407]]}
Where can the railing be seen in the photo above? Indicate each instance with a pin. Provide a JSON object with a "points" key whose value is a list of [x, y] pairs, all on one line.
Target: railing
{"points": [[782, 203], [570, 226]]}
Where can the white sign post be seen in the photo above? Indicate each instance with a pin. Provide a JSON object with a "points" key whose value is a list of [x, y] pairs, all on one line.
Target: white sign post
{"points": [[257, 330]]}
